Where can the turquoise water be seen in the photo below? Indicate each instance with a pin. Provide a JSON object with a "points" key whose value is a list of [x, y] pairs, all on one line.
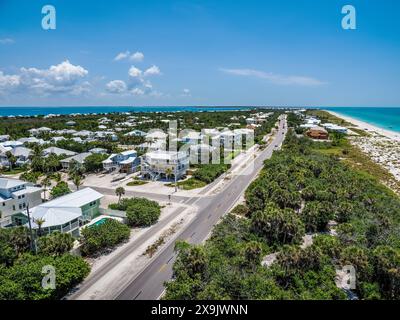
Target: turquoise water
{"points": [[101, 221], [32, 111], [385, 118]]}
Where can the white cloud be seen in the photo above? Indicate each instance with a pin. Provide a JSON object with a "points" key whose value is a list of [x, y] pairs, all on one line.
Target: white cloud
{"points": [[137, 92], [135, 72], [116, 86], [62, 78], [7, 41], [275, 78], [152, 71], [137, 56], [138, 82], [122, 55]]}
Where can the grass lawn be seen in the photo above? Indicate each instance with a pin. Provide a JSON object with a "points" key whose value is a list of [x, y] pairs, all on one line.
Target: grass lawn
{"points": [[136, 183], [189, 184], [13, 171]]}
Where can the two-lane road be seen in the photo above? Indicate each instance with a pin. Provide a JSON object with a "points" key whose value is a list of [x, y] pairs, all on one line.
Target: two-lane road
{"points": [[149, 284]]}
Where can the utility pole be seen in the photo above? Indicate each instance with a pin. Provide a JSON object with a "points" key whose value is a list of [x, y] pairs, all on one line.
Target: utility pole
{"points": [[32, 241]]}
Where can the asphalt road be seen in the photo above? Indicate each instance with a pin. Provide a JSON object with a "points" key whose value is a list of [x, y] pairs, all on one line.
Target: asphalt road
{"points": [[149, 284]]}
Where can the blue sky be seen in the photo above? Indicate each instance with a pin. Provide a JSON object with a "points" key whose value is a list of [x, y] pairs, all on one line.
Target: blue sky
{"points": [[209, 52]]}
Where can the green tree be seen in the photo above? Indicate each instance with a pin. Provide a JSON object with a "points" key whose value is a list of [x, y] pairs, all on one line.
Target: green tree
{"points": [[60, 189], [11, 159], [277, 226], [55, 244], [46, 183], [77, 181], [94, 162], [120, 191]]}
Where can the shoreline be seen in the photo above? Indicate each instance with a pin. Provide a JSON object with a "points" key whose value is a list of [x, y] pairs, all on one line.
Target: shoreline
{"points": [[370, 128]]}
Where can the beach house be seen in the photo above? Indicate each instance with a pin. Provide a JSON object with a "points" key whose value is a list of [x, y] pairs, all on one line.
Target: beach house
{"points": [[318, 133], [158, 164], [126, 162], [65, 214], [15, 196], [78, 159]]}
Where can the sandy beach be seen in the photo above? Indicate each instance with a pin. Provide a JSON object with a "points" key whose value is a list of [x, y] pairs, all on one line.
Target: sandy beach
{"points": [[368, 127], [382, 146]]}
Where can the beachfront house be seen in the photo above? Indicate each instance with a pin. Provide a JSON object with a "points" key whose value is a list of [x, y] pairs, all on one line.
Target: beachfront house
{"points": [[317, 133], [156, 165], [126, 162], [65, 214], [78, 159], [15, 196], [335, 128]]}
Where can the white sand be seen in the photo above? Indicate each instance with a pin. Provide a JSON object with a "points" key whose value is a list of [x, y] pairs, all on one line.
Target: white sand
{"points": [[382, 146], [368, 127]]}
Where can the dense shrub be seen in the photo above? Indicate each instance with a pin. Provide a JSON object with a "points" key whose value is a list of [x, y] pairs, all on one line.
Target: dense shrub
{"points": [[23, 280], [209, 172], [103, 236], [139, 211], [55, 244]]}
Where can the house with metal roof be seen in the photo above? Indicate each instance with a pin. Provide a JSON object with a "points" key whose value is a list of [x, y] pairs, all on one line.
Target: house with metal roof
{"points": [[67, 213], [58, 151], [79, 159]]}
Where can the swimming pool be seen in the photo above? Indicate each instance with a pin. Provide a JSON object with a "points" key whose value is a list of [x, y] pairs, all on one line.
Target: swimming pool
{"points": [[100, 222]]}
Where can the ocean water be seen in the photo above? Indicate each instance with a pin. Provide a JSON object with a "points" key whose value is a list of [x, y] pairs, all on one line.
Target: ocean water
{"points": [[32, 111], [385, 118]]}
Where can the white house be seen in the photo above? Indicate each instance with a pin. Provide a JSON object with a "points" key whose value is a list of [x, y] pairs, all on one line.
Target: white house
{"points": [[126, 162], [58, 152], [157, 164], [79, 158], [31, 140], [136, 133], [67, 213], [35, 132], [15, 196], [4, 137], [22, 154], [334, 127], [98, 151], [156, 135]]}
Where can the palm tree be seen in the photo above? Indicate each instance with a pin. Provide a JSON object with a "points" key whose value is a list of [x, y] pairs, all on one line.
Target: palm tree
{"points": [[11, 159], [39, 223], [168, 173], [77, 181], [120, 191], [46, 183]]}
